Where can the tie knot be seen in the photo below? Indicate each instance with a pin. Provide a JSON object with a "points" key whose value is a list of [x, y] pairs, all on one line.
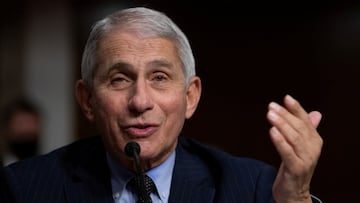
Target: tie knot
{"points": [[143, 186]]}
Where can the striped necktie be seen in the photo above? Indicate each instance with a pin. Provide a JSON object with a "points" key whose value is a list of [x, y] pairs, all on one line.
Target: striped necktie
{"points": [[144, 190]]}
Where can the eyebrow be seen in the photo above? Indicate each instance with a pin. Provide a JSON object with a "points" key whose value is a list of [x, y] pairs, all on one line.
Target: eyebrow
{"points": [[119, 65], [160, 63], [151, 64]]}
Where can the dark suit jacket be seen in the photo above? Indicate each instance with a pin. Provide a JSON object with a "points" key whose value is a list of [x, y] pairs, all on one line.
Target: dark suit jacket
{"points": [[79, 173], [6, 195]]}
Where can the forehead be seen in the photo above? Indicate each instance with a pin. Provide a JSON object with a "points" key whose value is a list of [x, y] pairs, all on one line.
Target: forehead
{"points": [[121, 43], [131, 50]]}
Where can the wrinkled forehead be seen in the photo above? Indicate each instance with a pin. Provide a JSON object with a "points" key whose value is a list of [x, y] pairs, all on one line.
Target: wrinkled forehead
{"points": [[117, 39], [124, 47]]}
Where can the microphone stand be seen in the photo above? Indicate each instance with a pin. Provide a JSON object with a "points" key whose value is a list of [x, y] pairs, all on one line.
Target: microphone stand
{"points": [[132, 149]]}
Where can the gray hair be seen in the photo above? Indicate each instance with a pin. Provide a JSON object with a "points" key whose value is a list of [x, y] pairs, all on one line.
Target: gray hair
{"points": [[144, 22]]}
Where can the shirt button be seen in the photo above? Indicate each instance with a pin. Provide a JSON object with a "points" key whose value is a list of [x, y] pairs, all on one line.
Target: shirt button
{"points": [[163, 195]]}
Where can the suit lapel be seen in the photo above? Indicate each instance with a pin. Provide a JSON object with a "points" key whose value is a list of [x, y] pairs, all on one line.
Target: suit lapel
{"points": [[85, 192], [191, 181], [90, 176], [191, 192]]}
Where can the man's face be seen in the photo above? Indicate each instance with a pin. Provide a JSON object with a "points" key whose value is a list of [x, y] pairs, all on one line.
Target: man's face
{"points": [[139, 94], [23, 133], [24, 126]]}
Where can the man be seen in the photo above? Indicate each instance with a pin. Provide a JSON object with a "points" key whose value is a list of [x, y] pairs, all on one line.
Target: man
{"points": [[139, 85], [20, 130]]}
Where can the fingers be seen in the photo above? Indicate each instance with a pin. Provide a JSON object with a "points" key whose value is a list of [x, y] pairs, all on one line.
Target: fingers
{"points": [[294, 133], [295, 108], [283, 147], [292, 119], [298, 143]]}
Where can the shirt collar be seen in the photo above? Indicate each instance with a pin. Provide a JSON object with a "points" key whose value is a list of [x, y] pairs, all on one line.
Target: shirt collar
{"points": [[162, 175]]}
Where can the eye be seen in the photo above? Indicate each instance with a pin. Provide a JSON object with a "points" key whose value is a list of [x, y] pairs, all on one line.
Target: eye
{"points": [[159, 77], [119, 81]]}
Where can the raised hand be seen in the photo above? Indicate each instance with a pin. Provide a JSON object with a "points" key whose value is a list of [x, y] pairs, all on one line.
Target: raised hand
{"points": [[299, 145]]}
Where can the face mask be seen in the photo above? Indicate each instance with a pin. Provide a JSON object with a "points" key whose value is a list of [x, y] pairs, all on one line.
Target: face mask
{"points": [[23, 149]]}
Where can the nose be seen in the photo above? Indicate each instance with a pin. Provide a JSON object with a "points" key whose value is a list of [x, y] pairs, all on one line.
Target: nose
{"points": [[140, 99]]}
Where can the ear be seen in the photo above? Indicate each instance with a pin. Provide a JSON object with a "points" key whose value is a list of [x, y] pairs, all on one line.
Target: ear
{"points": [[193, 96], [83, 97]]}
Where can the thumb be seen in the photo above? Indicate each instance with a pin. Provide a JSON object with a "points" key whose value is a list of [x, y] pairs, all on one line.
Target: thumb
{"points": [[315, 118]]}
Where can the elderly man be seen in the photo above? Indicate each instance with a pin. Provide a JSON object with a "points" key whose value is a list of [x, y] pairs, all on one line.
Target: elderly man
{"points": [[139, 86]]}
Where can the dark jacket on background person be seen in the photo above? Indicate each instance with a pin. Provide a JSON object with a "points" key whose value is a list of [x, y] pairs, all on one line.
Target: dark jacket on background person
{"points": [[6, 195]]}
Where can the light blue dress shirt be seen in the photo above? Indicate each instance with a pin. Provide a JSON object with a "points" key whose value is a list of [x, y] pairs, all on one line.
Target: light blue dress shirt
{"points": [[161, 176]]}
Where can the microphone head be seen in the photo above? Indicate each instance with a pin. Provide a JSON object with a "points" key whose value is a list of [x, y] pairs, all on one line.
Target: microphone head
{"points": [[131, 148]]}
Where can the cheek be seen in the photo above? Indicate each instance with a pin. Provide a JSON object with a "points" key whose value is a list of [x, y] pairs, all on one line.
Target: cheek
{"points": [[174, 101], [106, 119], [175, 109], [178, 105], [106, 101], [175, 105], [105, 108]]}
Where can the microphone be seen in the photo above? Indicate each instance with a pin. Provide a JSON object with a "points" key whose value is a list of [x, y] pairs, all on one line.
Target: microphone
{"points": [[132, 150]]}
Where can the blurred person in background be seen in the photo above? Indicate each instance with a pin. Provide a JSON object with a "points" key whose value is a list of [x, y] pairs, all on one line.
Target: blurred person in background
{"points": [[20, 130]]}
